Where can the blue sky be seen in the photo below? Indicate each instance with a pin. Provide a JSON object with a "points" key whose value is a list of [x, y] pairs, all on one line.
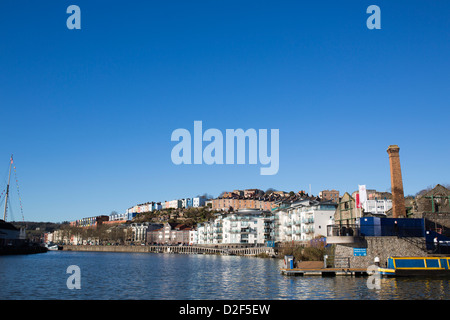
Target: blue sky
{"points": [[88, 114]]}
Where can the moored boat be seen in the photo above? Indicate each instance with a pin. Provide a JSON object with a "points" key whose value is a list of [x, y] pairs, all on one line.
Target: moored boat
{"points": [[53, 247], [13, 240], [416, 266]]}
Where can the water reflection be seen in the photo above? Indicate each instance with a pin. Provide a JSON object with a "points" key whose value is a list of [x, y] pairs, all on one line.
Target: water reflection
{"points": [[180, 277]]}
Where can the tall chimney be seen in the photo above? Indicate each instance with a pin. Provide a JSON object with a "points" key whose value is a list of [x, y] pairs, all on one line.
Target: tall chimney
{"points": [[398, 198]]}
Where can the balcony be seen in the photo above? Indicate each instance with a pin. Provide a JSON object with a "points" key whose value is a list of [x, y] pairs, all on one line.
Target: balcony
{"points": [[307, 220], [341, 234]]}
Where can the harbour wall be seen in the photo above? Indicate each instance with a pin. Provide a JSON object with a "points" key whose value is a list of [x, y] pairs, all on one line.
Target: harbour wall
{"points": [[174, 249], [381, 247]]}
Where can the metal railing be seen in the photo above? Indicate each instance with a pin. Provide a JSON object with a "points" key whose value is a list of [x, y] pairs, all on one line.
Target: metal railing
{"points": [[331, 261], [335, 230], [357, 230]]}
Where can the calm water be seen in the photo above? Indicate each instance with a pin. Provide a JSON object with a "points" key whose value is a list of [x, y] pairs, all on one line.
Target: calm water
{"points": [[176, 277]]}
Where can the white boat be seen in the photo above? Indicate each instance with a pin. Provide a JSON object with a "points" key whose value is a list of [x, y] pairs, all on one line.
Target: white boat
{"points": [[53, 247]]}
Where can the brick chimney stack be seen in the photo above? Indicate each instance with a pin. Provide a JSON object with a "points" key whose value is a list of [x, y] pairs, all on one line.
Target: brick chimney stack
{"points": [[398, 198]]}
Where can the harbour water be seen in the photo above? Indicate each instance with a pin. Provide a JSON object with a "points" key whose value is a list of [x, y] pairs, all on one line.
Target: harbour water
{"points": [[148, 276]]}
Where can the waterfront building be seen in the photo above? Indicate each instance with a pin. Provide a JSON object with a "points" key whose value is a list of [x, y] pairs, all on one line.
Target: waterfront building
{"points": [[61, 236], [283, 230], [209, 232], [346, 212], [139, 230], [155, 236], [193, 238], [217, 230], [303, 220], [170, 233], [76, 239], [247, 226], [201, 233], [378, 237]]}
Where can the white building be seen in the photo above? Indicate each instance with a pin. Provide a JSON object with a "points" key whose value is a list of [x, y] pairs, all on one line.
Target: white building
{"points": [[193, 237], [247, 226], [139, 230], [304, 220], [186, 203], [175, 204], [198, 202], [201, 233], [118, 216], [377, 207]]}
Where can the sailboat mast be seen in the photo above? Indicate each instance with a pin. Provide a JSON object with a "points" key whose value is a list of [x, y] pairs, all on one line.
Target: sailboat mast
{"points": [[7, 189]]}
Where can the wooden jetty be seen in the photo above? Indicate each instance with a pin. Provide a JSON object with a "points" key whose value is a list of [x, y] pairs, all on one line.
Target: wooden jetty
{"points": [[325, 272], [316, 268]]}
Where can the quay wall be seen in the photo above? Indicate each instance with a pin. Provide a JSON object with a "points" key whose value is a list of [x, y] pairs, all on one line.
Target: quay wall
{"points": [[106, 248], [174, 249], [382, 247]]}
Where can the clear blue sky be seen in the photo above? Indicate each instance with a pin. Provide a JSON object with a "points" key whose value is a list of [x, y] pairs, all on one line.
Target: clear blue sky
{"points": [[88, 114]]}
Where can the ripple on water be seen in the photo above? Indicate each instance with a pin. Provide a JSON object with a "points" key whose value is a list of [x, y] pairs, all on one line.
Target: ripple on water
{"points": [[182, 277]]}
